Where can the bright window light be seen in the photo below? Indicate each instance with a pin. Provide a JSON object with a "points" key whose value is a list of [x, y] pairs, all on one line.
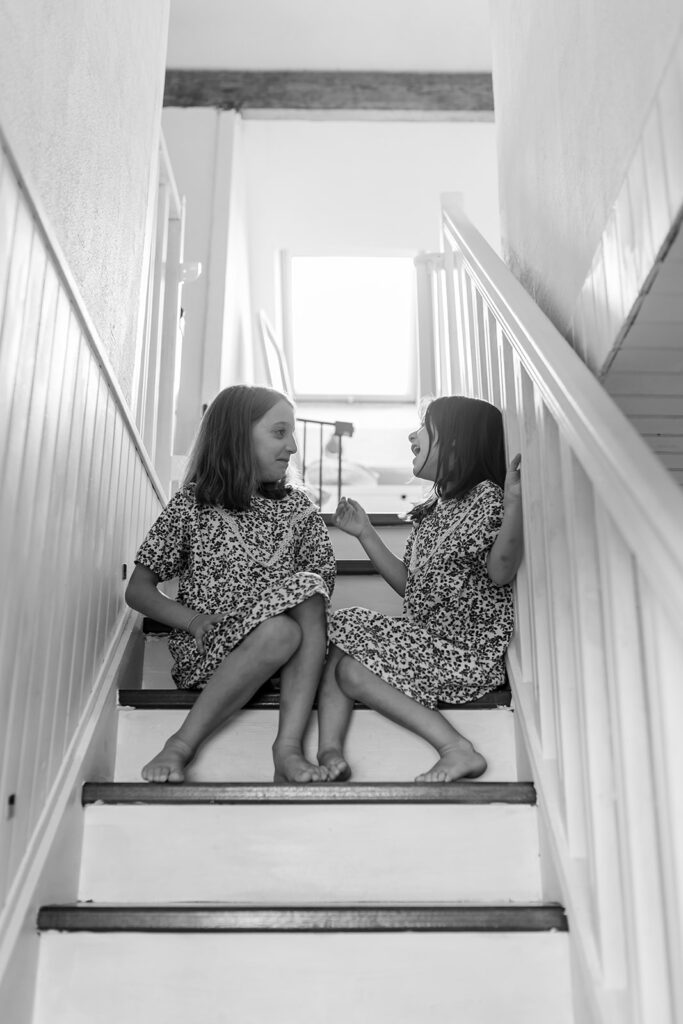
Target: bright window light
{"points": [[353, 327]]}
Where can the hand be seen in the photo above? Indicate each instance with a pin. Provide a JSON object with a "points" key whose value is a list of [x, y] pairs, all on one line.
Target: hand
{"points": [[513, 481], [200, 625], [351, 517]]}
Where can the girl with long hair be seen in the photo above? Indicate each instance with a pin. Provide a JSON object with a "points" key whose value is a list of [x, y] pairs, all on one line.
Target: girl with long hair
{"points": [[450, 642], [255, 571]]}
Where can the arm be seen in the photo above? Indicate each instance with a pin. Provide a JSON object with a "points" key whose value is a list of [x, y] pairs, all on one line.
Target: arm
{"points": [[142, 595], [352, 518], [315, 552], [506, 553]]}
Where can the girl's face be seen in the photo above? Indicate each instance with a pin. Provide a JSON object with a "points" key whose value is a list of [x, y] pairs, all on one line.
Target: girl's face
{"points": [[273, 442], [425, 458]]}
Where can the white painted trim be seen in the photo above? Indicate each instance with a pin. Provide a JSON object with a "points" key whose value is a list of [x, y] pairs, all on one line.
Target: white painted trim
{"points": [[18, 914], [69, 283]]}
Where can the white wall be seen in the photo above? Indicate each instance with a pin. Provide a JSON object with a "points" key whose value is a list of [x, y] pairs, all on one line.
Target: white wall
{"points": [[81, 84], [206, 151], [573, 86], [345, 188], [343, 35]]}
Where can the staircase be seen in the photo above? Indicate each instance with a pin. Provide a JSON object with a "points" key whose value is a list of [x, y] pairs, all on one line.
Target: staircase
{"points": [[230, 898]]}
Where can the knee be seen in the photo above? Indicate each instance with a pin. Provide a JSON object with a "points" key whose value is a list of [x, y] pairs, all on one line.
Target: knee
{"points": [[279, 637], [348, 676], [311, 609]]}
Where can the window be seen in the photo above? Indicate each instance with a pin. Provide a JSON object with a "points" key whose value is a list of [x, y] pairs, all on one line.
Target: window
{"points": [[352, 327]]}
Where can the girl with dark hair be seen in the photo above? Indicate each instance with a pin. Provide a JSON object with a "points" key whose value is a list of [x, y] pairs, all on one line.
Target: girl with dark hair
{"points": [[457, 620], [255, 571]]}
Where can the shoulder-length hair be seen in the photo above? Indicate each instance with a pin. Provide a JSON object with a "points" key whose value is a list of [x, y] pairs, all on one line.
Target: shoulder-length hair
{"points": [[471, 447], [221, 465]]}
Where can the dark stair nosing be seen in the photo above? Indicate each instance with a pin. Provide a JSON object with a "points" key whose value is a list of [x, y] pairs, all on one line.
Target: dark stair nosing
{"points": [[355, 567], [530, 917], [268, 698], [461, 792]]}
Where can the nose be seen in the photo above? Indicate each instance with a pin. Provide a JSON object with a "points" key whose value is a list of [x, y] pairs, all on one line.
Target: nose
{"points": [[412, 435], [292, 446]]}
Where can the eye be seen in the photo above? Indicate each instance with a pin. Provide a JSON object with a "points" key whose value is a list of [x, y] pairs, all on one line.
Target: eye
{"points": [[279, 432]]}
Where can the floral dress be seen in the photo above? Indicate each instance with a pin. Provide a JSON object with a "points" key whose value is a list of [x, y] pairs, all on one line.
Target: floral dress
{"points": [[248, 565], [450, 642]]}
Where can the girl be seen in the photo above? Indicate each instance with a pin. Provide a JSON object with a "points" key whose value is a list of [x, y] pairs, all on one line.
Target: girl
{"points": [[449, 644], [255, 569]]}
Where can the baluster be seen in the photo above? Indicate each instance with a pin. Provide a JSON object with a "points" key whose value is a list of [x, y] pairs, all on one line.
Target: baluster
{"points": [[602, 905], [477, 342], [663, 652], [513, 417], [636, 798], [467, 373], [320, 464]]}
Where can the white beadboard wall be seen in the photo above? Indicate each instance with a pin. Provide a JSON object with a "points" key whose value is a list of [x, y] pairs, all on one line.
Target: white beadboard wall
{"points": [[628, 320], [77, 496]]}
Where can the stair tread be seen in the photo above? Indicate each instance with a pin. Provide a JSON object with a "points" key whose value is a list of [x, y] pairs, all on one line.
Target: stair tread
{"points": [[364, 792], [303, 917], [269, 697]]}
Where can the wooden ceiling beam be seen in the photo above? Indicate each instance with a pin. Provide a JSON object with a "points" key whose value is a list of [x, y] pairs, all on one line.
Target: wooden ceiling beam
{"points": [[468, 94]]}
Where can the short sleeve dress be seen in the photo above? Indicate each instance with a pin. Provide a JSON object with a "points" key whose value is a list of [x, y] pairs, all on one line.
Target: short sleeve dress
{"points": [[450, 642], [248, 565]]}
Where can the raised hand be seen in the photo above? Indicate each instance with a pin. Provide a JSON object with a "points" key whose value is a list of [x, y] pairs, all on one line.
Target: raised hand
{"points": [[200, 625], [351, 517], [513, 481]]}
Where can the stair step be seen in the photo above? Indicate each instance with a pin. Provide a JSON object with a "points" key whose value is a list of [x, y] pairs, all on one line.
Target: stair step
{"points": [[355, 567], [377, 749], [536, 917], [269, 697], [390, 965], [276, 793], [265, 851]]}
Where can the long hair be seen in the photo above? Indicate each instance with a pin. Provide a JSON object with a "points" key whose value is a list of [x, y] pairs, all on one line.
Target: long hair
{"points": [[221, 465], [471, 447]]}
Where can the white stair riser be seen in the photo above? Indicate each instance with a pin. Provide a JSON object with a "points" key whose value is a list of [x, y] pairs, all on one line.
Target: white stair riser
{"points": [[294, 978], [263, 853], [377, 749], [346, 546], [366, 592]]}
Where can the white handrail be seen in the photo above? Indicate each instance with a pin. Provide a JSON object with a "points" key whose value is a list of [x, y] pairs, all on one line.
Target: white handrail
{"points": [[595, 664]]}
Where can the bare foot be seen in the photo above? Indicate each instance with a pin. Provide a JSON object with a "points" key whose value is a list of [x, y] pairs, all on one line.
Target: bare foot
{"points": [[458, 762], [338, 769], [292, 766], [169, 763]]}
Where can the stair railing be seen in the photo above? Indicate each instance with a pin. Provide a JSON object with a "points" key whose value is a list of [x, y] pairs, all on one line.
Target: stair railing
{"points": [[596, 665], [340, 431]]}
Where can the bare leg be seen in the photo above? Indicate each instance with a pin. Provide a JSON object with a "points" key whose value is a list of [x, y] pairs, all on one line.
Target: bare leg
{"points": [[299, 680], [458, 758], [334, 712], [235, 680]]}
